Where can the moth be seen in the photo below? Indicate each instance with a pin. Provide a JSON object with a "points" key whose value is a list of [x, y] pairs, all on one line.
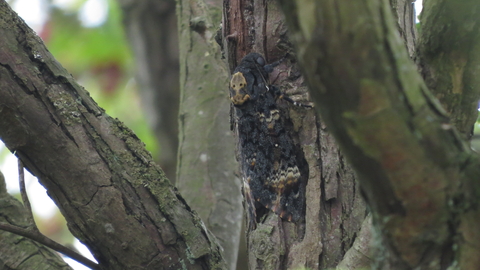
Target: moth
{"points": [[272, 165]]}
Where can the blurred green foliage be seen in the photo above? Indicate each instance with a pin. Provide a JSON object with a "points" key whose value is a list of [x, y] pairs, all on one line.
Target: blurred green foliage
{"points": [[100, 59], [79, 48], [4, 152]]}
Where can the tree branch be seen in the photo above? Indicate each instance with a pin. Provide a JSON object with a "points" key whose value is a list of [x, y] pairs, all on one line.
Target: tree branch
{"points": [[23, 192], [42, 239], [17, 252], [115, 199], [398, 139], [449, 56], [33, 233]]}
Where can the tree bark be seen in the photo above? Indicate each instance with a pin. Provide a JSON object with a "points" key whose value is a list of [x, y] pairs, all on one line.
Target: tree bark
{"points": [[206, 163], [334, 210], [404, 12], [416, 172], [151, 27], [115, 199], [449, 58], [17, 252]]}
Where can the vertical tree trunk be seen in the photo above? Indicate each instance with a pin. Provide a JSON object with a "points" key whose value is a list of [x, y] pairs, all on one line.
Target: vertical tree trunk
{"points": [[151, 27], [206, 164], [449, 58], [418, 176], [334, 208]]}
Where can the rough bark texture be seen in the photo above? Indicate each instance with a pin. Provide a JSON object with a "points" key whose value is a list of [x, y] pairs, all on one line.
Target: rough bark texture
{"points": [[334, 211], [206, 163], [360, 255], [115, 199], [404, 12], [17, 252], [449, 58], [416, 173], [151, 27]]}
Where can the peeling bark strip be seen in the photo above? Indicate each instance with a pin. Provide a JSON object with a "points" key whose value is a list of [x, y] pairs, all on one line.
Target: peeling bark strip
{"points": [[253, 26]]}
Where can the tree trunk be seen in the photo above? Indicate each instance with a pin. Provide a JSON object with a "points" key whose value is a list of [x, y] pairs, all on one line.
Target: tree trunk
{"points": [[334, 209], [115, 199], [151, 27], [449, 58], [206, 164], [416, 172]]}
